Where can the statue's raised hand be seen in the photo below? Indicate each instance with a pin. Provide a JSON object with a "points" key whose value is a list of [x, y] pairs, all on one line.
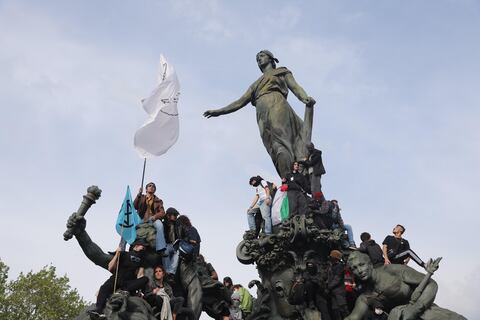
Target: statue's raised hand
{"points": [[309, 102], [76, 223], [211, 113]]}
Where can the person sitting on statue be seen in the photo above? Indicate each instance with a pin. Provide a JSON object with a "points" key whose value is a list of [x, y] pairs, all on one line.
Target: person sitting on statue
{"points": [[404, 292], [397, 250], [338, 223], [261, 200], [127, 275], [316, 169], [246, 300], [150, 209], [228, 283], [159, 295], [372, 249], [297, 190], [170, 259], [336, 286], [188, 233]]}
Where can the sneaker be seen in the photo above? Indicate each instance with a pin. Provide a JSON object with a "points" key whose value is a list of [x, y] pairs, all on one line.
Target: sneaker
{"points": [[95, 315]]}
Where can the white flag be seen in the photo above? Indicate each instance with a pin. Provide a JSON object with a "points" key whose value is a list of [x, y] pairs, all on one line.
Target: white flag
{"points": [[160, 132]]}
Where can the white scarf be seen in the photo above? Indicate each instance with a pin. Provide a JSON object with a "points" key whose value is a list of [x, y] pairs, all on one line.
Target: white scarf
{"points": [[166, 313]]}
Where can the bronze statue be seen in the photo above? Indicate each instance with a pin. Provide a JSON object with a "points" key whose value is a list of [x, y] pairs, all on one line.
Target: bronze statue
{"points": [[283, 133], [409, 294]]}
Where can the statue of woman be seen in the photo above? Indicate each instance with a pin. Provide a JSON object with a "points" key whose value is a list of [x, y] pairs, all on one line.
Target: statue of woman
{"points": [[283, 133]]}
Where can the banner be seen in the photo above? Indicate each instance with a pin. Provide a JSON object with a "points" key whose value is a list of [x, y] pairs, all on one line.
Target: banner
{"points": [[161, 130], [128, 219]]}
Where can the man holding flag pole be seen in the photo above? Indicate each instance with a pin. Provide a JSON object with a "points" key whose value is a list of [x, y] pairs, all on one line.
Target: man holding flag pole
{"points": [[154, 138]]}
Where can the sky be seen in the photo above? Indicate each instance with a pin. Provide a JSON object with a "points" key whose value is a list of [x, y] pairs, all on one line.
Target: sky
{"points": [[396, 85]]}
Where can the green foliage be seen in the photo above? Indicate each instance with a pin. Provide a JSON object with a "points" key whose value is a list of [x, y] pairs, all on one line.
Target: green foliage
{"points": [[38, 296]]}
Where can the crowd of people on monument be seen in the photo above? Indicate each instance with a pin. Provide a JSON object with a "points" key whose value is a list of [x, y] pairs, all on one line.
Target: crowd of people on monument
{"points": [[176, 239], [329, 287]]}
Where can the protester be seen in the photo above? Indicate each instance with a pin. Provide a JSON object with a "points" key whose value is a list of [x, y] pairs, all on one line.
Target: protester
{"points": [[150, 209], [315, 290], [261, 200], [372, 249], [159, 295], [190, 236], [316, 169], [228, 283], [170, 259], [338, 223], [336, 286], [297, 190], [397, 250], [208, 269], [128, 276], [246, 301]]}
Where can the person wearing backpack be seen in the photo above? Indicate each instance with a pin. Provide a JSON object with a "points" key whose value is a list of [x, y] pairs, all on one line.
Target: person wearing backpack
{"points": [[263, 201]]}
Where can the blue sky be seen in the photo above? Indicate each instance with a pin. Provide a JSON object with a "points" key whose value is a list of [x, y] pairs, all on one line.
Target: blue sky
{"points": [[397, 112]]}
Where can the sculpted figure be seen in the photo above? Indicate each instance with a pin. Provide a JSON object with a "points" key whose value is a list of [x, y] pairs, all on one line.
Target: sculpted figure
{"points": [[408, 293], [283, 133]]}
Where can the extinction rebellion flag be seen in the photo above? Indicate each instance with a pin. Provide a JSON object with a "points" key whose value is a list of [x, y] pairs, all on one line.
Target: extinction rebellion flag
{"points": [[128, 219]]}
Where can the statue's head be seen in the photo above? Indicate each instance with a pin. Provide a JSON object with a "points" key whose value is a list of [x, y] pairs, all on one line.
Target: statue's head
{"points": [[279, 283], [265, 58], [360, 265]]}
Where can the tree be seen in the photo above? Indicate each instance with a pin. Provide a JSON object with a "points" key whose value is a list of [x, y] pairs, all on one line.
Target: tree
{"points": [[38, 296]]}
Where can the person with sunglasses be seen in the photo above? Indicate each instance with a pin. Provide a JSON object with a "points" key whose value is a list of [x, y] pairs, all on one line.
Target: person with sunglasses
{"points": [[150, 209], [396, 249]]}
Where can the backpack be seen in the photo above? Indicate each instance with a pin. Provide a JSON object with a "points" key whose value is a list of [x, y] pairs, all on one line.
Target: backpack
{"points": [[272, 188]]}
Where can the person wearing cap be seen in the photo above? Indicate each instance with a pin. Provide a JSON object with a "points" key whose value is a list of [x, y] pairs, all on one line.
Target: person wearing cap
{"points": [[129, 277], [336, 286], [316, 169], [150, 209], [283, 133]]}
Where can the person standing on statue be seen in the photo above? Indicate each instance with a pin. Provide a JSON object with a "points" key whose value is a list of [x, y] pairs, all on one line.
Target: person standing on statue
{"points": [[283, 133], [263, 201], [297, 190], [316, 169], [150, 209]]}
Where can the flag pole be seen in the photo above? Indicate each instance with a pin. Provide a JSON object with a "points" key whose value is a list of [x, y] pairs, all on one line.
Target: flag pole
{"points": [[118, 263], [143, 173]]}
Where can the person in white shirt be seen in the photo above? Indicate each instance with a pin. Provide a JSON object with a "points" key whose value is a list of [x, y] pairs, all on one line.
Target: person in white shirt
{"points": [[263, 201]]}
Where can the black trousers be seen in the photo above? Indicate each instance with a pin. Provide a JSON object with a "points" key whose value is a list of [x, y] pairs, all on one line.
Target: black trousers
{"points": [[399, 258], [297, 202], [106, 290]]}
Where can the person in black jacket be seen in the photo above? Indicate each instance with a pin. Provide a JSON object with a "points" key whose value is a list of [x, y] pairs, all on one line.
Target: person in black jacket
{"points": [[316, 169], [297, 189], [370, 247], [336, 286]]}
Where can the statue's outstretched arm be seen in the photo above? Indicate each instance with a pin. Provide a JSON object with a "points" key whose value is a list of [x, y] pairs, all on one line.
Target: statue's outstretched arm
{"points": [[298, 91], [77, 224], [232, 107], [425, 297]]}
